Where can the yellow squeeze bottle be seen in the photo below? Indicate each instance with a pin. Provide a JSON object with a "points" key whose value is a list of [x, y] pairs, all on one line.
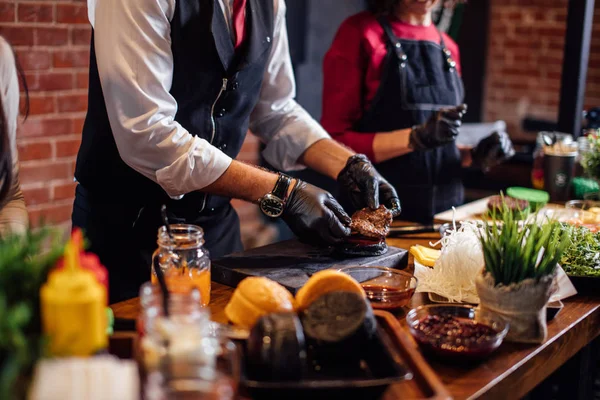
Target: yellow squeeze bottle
{"points": [[73, 309]]}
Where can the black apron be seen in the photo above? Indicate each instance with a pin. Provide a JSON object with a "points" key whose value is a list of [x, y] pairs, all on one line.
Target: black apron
{"points": [[419, 77]]}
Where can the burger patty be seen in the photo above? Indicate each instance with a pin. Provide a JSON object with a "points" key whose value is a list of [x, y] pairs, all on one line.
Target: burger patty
{"points": [[497, 203], [372, 223]]}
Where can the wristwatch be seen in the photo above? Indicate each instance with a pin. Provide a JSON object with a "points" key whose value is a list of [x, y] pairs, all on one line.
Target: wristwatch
{"points": [[271, 204]]}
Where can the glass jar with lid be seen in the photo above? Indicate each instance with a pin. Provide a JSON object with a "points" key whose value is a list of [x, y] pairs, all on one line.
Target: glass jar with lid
{"points": [[185, 262]]}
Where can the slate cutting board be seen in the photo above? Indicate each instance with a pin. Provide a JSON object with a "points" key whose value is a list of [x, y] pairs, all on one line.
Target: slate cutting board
{"points": [[291, 263]]}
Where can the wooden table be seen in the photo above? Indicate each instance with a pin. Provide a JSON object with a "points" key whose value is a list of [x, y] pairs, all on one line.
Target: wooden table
{"points": [[512, 372]]}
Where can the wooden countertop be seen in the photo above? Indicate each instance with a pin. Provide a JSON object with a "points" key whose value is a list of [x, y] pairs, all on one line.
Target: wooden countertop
{"points": [[511, 372]]}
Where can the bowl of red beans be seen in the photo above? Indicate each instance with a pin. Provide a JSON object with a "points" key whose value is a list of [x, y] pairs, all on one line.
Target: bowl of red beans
{"points": [[456, 332]]}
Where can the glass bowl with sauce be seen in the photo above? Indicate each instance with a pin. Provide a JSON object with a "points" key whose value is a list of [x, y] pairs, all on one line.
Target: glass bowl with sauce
{"points": [[456, 332], [386, 288]]}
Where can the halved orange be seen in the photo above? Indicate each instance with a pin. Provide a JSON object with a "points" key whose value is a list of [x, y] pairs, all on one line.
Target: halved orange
{"points": [[324, 282]]}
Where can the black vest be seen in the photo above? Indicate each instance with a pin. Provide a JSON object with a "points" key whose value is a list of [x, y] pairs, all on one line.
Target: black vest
{"points": [[216, 89]]}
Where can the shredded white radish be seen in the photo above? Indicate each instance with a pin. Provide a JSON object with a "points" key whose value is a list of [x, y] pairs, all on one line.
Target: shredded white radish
{"points": [[454, 273]]}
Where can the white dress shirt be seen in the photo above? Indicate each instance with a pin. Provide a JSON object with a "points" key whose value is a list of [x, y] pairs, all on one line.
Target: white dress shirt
{"points": [[13, 213], [135, 64]]}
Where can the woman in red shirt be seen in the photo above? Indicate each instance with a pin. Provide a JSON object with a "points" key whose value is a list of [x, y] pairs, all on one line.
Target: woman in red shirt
{"points": [[393, 91]]}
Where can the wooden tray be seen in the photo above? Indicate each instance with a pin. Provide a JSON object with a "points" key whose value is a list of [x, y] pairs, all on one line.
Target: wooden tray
{"points": [[425, 384]]}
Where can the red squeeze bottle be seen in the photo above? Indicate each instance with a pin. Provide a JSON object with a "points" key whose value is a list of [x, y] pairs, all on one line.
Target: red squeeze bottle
{"points": [[89, 261]]}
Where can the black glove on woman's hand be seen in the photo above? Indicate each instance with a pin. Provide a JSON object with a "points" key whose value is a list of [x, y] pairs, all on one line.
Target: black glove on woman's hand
{"points": [[366, 187], [441, 128], [492, 151], [315, 216]]}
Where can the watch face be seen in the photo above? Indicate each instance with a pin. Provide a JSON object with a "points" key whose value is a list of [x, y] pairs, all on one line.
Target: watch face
{"points": [[271, 206]]}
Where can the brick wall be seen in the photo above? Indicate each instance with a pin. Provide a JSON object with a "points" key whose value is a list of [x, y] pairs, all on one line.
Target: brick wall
{"points": [[525, 61], [51, 39]]}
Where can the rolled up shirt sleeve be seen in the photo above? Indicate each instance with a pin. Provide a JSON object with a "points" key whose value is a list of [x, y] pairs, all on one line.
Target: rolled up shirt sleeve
{"points": [[278, 120], [135, 65]]}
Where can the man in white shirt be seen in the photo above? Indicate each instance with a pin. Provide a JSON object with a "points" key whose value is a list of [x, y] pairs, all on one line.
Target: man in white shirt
{"points": [[174, 86]]}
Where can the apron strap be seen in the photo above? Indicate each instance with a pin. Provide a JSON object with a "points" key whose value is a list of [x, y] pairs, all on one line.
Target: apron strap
{"points": [[450, 63], [393, 40]]}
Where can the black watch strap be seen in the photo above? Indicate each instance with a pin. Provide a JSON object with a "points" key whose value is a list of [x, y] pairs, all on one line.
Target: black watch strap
{"points": [[281, 187]]}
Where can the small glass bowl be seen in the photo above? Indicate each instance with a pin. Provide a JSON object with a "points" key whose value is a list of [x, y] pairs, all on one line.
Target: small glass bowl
{"points": [[586, 211], [386, 288], [457, 350]]}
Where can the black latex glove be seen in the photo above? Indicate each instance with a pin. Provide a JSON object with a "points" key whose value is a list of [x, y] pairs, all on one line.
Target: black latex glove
{"points": [[492, 151], [441, 128], [366, 187], [315, 216]]}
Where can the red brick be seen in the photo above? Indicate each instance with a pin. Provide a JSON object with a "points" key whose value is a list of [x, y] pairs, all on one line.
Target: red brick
{"points": [[72, 103], [552, 31], [71, 58], [520, 71], [50, 214], [34, 151], [7, 12], [81, 36], [49, 81], [67, 148], [64, 191], [46, 127], [77, 125], [35, 12], [40, 104], [17, 36], [51, 36], [71, 14], [34, 59], [32, 172], [523, 31], [556, 59], [35, 196], [82, 79], [514, 16]]}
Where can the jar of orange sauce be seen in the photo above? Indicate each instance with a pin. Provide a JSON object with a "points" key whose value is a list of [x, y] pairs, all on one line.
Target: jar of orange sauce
{"points": [[185, 262]]}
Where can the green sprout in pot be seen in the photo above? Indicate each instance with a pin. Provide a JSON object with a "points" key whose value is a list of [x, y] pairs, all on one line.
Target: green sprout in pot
{"points": [[590, 159], [516, 250]]}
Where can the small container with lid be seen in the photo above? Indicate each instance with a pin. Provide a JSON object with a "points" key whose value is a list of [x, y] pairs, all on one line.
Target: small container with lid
{"points": [[185, 263]]}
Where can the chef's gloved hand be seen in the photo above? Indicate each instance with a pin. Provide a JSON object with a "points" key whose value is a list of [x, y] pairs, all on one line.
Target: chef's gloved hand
{"points": [[366, 187], [441, 128], [492, 151], [315, 216]]}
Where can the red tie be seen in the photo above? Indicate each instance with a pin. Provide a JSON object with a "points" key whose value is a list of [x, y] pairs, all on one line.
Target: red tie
{"points": [[239, 18]]}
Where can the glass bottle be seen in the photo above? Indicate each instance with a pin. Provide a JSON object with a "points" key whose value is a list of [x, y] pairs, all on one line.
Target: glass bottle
{"points": [[185, 263]]}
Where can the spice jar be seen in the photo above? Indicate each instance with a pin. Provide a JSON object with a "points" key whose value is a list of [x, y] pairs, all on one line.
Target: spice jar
{"points": [[185, 262]]}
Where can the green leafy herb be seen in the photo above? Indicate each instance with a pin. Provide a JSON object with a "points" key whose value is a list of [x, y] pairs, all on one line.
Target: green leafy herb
{"points": [[24, 265], [582, 258], [515, 250], [590, 159]]}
